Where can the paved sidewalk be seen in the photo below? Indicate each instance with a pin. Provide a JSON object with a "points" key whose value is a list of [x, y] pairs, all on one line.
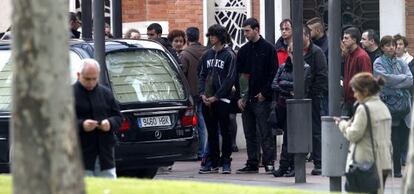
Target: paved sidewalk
{"points": [[187, 170]]}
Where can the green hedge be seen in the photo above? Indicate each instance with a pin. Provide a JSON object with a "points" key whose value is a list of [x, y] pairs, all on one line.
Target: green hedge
{"points": [[135, 186]]}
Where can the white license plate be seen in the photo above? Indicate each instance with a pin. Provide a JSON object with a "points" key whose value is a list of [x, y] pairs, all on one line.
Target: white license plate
{"points": [[154, 121]]}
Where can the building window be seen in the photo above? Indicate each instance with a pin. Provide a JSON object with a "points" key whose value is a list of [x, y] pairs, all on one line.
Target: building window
{"points": [[363, 14]]}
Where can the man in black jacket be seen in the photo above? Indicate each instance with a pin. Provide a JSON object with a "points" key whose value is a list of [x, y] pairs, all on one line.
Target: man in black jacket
{"points": [[98, 116], [257, 61], [318, 34], [216, 78], [314, 56], [154, 32]]}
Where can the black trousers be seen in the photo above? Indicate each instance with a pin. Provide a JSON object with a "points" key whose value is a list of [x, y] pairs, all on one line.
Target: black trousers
{"points": [[399, 135], [217, 121], [286, 159], [255, 117], [316, 131]]}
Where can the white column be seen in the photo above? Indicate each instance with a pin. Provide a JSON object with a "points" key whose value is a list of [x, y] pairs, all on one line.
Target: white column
{"points": [[5, 14], [262, 18], [206, 24], [392, 17], [282, 11], [72, 5]]}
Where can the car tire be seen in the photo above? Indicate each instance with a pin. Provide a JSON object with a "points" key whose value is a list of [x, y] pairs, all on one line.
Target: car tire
{"points": [[144, 173]]}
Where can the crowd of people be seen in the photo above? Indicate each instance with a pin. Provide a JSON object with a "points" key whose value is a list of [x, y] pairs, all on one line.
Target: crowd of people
{"points": [[260, 73], [224, 82]]}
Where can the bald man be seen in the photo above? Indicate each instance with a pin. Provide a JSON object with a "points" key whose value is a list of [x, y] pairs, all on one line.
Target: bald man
{"points": [[98, 115]]}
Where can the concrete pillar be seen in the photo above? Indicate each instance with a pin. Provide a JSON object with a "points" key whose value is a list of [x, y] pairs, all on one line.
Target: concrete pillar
{"points": [[392, 17], [282, 11]]}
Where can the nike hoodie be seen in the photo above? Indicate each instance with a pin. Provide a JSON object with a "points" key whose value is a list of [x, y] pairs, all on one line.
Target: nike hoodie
{"points": [[217, 73]]}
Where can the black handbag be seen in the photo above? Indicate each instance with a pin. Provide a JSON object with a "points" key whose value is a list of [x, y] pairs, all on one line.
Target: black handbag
{"points": [[363, 177]]}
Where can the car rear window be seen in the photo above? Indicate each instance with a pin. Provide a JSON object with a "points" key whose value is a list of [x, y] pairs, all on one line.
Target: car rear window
{"points": [[143, 76], [6, 77], [5, 80]]}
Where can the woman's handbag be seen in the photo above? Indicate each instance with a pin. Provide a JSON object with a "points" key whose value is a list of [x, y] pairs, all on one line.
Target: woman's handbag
{"points": [[363, 177], [398, 103]]}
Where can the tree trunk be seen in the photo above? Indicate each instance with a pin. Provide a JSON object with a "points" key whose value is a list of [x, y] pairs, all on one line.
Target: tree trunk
{"points": [[46, 153], [408, 186]]}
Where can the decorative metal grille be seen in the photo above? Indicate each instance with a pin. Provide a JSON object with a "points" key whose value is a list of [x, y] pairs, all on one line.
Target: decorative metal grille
{"points": [[363, 14], [231, 14]]}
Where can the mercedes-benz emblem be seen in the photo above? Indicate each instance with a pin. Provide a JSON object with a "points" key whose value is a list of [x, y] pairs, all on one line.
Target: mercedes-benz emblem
{"points": [[158, 134]]}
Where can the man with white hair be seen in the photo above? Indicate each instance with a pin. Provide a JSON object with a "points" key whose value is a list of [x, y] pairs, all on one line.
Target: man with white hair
{"points": [[98, 115]]}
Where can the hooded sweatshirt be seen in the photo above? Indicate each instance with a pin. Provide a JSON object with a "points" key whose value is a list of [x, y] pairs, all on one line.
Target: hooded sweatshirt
{"points": [[217, 73]]}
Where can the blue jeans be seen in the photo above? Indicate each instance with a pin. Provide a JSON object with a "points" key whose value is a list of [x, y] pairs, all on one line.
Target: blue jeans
{"points": [[97, 172], [324, 106], [202, 131]]}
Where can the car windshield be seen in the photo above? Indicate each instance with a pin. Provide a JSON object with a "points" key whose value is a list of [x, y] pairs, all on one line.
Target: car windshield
{"points": [[143, 76]]}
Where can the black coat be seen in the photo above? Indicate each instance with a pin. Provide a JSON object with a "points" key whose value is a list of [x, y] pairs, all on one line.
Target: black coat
{"points": [[98, 104], [259, 60], [319, 71], [282, 84]]}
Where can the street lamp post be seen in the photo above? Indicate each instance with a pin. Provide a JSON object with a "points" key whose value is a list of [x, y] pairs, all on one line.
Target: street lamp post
{"points": [[334, 145], [270, 20], [117, 18], [299, 108], [99, 35], [86, 8]]}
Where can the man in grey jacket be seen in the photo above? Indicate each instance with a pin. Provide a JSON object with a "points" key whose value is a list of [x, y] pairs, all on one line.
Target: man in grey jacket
{"points": [[190, 59]]}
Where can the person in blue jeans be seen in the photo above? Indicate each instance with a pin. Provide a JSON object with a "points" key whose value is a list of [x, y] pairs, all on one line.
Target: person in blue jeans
{"points": [[202, 134], [190, 58]]}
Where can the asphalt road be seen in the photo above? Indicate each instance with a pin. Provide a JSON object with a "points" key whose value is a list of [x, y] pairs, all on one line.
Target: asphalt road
{"points": [[188, 170]]}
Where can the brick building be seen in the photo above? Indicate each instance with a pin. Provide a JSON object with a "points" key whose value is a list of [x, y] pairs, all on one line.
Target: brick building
{"points": [[180, 14], [409, 15], [396, 16]]}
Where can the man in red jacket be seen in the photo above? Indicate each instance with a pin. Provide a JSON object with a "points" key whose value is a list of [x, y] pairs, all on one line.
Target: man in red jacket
{"points": [[284, 40], [356, 60]]}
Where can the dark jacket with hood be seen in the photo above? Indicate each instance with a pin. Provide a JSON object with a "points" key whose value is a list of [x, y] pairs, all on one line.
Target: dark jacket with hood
{"points": [[260, 62], [97, 104], [283, 82], [323, 44], [190, 58], [319, 71], [217, 73]]}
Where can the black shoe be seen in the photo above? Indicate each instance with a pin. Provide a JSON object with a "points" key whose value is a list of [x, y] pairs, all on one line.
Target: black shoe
{"points": [[248, 169], [397, 174], [234, 149], [279, 172], [208, 168], [269, 169], [290, 173], [226, 168], [279, 131], [316, 171]]}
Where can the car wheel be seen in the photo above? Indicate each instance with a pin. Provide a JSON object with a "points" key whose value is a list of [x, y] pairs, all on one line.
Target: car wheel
{"points": [[145, 173]]}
